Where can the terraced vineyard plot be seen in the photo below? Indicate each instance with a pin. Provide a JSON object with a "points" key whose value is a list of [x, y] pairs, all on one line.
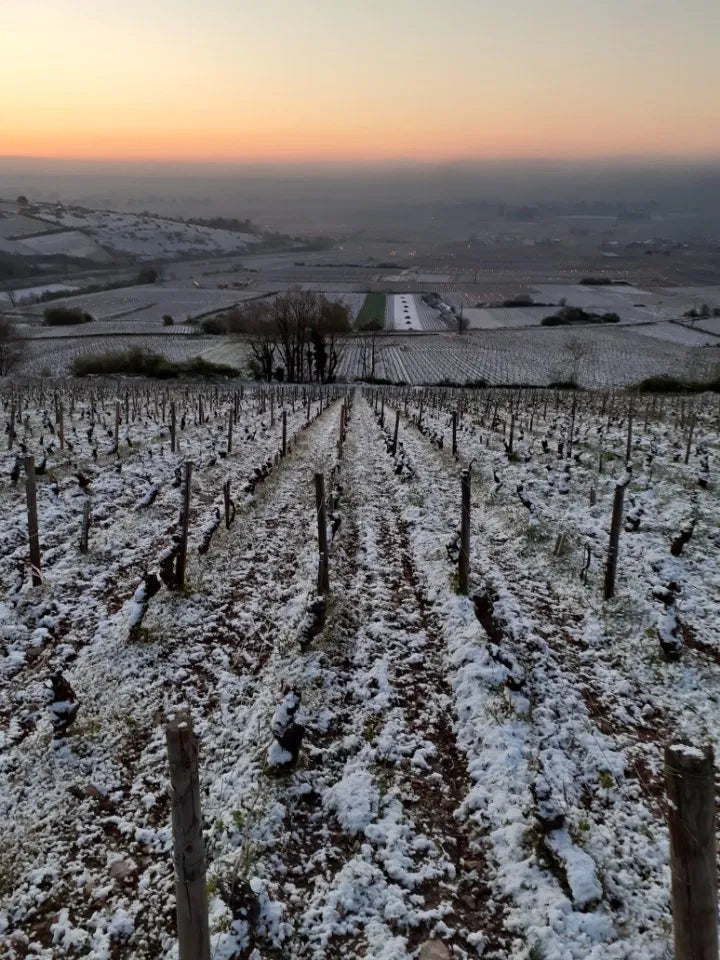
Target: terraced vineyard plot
{"points": [[479, 775]]}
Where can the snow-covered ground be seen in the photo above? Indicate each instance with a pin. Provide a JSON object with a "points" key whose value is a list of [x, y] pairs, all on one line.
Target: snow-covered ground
{"points": [[403, 312], [51, 356], [596, 356], [24, 295], [147, 302], [684, 333], [148, 237], [486, 318], [478, 774]]}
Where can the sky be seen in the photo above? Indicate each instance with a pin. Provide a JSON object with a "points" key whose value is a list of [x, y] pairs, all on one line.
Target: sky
{"points": [[359, 80]]}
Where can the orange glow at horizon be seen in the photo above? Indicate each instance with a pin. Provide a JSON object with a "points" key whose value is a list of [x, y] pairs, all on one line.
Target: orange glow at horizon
{"points": [[375, 81]]}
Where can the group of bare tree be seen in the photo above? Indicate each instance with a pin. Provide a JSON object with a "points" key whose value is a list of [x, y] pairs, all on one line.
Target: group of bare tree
{"points": [[299, 336]]}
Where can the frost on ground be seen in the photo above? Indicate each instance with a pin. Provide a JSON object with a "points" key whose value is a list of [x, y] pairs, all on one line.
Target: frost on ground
{"points": [[400, 769]]}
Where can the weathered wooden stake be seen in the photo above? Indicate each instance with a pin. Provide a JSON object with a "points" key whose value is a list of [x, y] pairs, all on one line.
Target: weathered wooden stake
{"points": [[173, 426], [184, 526], [690, 785], [571, 438], [229, 505], [188, 844], [117, 424], [11, 435], [61, 426], [690, 437], [464, 559], [395, 433], [284, 432], [454, 433], [85, 531], [323, 568], [33, 535], [229, 438], [613, 549]]}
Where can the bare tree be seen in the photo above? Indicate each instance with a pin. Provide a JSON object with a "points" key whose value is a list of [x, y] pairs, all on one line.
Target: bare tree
{"points": [[255, 320], [370, 350], [299, 335], [12, 346], [575, 352]]}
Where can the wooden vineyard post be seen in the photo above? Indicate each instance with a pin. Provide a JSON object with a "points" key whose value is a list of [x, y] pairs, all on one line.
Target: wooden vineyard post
{"points": [[614, 547], [229, 505], [229, 438], [454, 433], [117, 425], [61, 425], [173, 426], [571, 438], [395, 433], [85, 531], [188, 844], [11, 434], [284, 433], [33, 535], [464, 558], [628, 449], [690, 785], [184, 525], [691, 430], [323, 564]]}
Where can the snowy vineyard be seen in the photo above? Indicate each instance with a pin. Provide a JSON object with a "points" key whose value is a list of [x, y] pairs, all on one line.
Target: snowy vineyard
{"points": [[392, 763]]}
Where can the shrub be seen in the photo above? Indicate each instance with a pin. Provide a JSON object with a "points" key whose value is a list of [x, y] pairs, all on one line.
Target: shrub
{"points": [[168, 320], [522, 300], [147, 275], [665, 383], [65, 317], [563, 385], [139, 362], [213, 326], [567, 316]]}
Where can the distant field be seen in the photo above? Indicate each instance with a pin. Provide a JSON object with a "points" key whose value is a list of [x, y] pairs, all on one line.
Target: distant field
{"points": [[149, 302], [487, 318], [372, 309], [597, 356], [53, 357]]}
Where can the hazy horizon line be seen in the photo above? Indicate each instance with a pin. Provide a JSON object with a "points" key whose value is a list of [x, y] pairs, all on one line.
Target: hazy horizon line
{"points": [[370, 165]]}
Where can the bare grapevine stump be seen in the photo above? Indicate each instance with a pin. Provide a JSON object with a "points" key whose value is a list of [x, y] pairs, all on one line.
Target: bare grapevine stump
{"points": [[288, 735], [33, 535]]}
